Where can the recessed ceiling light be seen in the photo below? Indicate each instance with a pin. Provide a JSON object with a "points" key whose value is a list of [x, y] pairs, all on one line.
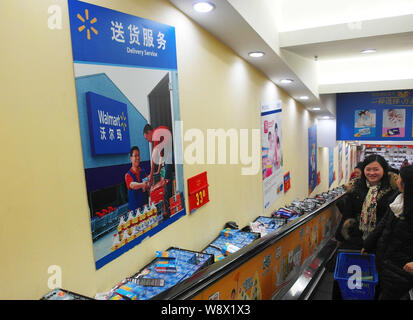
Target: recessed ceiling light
{"points": [[203, 6], [256, 54], [315, 109], [304, 98], [286, 80], [368, 51], [326, 117]]}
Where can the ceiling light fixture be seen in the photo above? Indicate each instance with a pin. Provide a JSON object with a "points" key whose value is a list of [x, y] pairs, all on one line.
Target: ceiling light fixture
{"points": [[203, 6], [256, 54], [304, 98], [286, 81], [368, 51], [315, 109]]}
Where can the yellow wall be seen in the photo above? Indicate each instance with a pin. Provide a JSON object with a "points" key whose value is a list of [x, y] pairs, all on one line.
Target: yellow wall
{"points": [[44, 209]]}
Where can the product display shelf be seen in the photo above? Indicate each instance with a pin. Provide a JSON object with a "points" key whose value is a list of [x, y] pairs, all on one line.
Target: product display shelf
{"points": [[394, 155], [193, 286], [217, 250], [187, 263], [238, 239]]}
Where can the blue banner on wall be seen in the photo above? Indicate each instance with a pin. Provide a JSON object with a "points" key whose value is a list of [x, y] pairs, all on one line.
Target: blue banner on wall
{"points": [[330, 166], [108, 125], [101, 35], [379, 115], [312, 158]]}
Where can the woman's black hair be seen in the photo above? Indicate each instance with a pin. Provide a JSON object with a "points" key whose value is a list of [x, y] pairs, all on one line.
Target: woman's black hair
{"points": [[359, 165], [406, 173], [395, 170], [385, 180]]}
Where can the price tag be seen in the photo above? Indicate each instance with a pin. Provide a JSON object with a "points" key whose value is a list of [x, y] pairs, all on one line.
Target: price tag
{"points": [[198, 191]]}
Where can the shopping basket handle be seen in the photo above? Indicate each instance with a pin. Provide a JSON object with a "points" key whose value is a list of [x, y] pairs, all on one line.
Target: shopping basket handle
{"points": [[349, 250]]}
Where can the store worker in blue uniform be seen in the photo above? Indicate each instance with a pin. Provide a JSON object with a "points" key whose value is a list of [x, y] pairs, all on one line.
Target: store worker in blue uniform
{"points": [[137, 188]]}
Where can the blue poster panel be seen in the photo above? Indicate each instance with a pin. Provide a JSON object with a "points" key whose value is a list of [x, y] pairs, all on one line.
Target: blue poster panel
{"points": [[127, 99], [340, 162], [346, 163], [379, 115], [330, 166], [312, 158]]}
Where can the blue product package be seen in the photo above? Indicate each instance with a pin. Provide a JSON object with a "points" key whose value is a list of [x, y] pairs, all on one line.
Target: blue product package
{"points": [[284, 213]]}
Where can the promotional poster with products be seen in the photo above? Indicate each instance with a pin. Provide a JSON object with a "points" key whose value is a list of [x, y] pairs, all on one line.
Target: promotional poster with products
{"points": [[376, 115], [330, 166], [340, 162], [347, 161], [312, 158], [394, 121], [127, 94], [272, 155], [365, 123]]}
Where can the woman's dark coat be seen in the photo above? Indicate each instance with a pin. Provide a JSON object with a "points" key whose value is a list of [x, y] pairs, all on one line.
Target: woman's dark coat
{"points": [[392, 243], [350, 207]]}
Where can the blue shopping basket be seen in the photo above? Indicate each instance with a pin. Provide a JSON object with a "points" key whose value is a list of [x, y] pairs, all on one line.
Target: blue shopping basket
{"points": [[346, 266]]}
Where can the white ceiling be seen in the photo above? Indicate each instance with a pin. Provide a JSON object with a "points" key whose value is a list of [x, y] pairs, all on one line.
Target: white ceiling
{"points": [[350, 48], [293, 32]]}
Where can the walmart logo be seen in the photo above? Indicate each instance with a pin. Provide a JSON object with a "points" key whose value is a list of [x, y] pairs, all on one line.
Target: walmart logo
{"points": [[123, 124], [87, 22]]}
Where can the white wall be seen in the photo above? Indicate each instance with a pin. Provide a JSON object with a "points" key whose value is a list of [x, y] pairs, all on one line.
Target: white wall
{"points": [[300, 14]]}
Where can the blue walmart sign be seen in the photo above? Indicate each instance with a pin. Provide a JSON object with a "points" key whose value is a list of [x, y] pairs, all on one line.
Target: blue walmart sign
{"points": [[108, 125], [105, 36]]}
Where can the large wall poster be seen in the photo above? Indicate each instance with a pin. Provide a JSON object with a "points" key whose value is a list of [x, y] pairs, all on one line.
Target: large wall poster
{"points": [[377, 115], [312, 158], [127, 93], [272, 155]]}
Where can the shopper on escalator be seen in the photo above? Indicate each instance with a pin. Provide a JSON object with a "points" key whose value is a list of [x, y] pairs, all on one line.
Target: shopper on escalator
{"points": [[357, 171], [392, 242], [366, 202]]}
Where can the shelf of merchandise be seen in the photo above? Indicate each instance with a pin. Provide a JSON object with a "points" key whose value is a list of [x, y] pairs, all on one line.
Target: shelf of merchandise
{"points": [[394, 154]]}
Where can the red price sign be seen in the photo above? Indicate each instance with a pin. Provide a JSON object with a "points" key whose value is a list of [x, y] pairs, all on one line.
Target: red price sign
{"points": [[198, 191]]}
